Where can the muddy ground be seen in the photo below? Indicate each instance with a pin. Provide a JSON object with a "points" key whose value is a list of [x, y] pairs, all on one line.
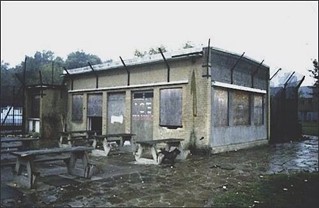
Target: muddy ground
{"points": [[118, 181]]}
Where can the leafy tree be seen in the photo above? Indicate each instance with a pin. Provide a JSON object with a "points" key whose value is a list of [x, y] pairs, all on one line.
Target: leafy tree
{"points": [[80, 59], [138, 53], [315, 73], [188, 44], [151, 51]]}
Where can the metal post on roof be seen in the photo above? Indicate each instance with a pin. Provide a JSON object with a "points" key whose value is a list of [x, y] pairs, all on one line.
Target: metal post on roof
{"points": [[96, 76], [303, 78], [232, 69], [69, 76], [285, 85], [128, 72], [208, 64], [255, 72], [41, 84], [167, 65], [52, 72], [275, 73]]}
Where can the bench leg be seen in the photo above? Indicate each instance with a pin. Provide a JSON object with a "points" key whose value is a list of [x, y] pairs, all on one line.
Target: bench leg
{"points": [[106, 147], [154, 153], [139, 152], [31, 172], [94, 143], [85, 161]]}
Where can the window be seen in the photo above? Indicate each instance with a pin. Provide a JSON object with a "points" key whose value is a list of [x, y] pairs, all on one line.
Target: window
{"points": [[220, 107], [35, 106], [240, 108], [258, 110], [77, 107], [171, 107]]}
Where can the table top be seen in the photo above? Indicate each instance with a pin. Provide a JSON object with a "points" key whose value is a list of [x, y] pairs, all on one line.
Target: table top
{"points": [[52, 150], [77, 132], [18, 139], [115, 135], [156, 141]]}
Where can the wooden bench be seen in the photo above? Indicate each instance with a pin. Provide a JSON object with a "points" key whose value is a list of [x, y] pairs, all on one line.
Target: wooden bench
{"points": [[107, 141], [69, 155], [14, 144], [169, 144], [69, 138]]}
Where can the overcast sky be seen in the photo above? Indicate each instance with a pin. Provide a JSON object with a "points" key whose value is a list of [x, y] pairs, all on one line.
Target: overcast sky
{"points": [[284, 34]]}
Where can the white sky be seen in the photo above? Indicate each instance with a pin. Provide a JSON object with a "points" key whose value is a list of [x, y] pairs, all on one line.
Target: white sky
{"points": [[284, 34]]}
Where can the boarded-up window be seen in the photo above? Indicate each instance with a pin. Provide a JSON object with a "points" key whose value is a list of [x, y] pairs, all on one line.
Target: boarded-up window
{"points": [[240, 106], [77, 107], [171, 107], [220, 107], [258, 110], [95, 105]]}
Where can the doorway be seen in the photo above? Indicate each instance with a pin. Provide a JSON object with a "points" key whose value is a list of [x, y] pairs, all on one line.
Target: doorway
{"points": [[142, 115]]}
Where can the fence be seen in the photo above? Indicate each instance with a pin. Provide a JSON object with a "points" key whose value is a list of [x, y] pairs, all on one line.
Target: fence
{"points": [[284, 125]]}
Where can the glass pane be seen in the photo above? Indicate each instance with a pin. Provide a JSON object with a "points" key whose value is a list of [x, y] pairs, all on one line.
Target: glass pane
{"points": [[35, 107], [77, 107]]}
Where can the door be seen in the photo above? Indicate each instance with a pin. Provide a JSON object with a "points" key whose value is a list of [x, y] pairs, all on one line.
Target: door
{"points": [[115, 113], [94, 112], [142, 115]]}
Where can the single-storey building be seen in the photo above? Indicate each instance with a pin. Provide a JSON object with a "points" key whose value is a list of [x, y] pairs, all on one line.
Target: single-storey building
{"points": [[213, 99]]}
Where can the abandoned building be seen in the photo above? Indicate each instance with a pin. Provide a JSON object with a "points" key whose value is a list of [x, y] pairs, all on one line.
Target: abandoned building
{"points": [[213, 99]]}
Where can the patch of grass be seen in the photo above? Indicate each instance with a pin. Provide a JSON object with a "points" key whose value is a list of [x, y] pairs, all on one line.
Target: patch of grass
{"points": [[280, 190], [310, 128]]}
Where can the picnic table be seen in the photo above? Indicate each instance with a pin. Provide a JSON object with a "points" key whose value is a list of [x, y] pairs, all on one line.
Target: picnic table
{"points": [[23, 143], [108, 139], [69, 138], [69, 155], [168, 143]]}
